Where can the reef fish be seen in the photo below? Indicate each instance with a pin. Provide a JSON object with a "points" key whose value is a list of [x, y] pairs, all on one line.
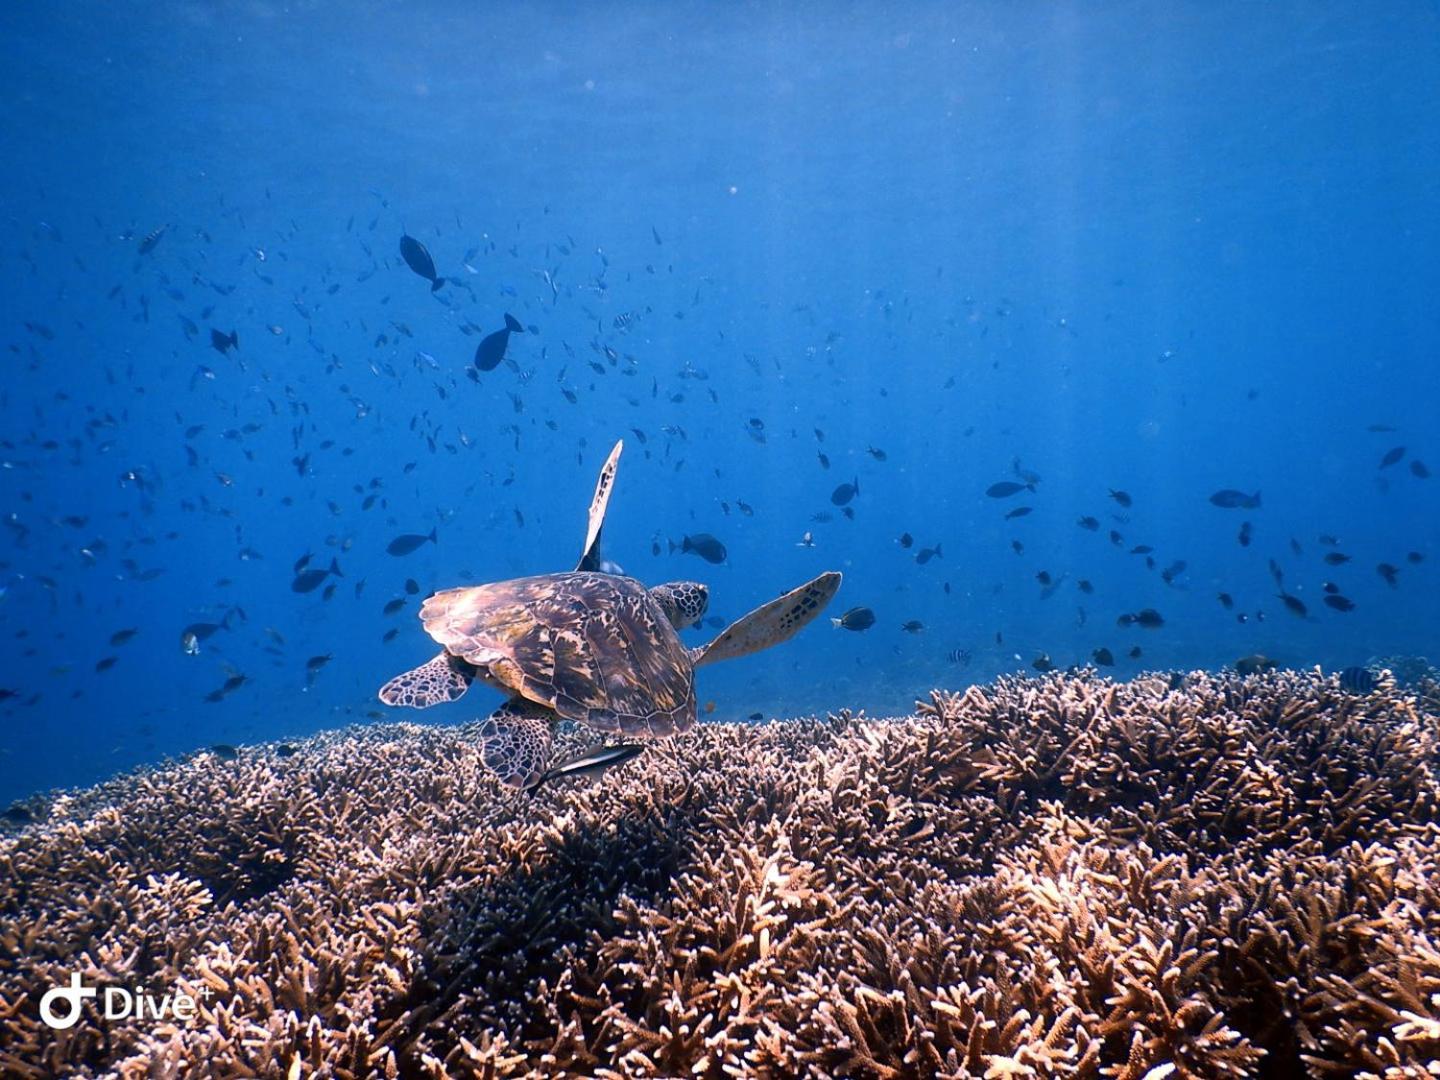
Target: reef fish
{"points": [[417, 257], [1358, 680], [1005, 488], [409, 542], [591, 762], [491, 349], [857, 618], [1230, 499], [845, 492], [706, 546]]}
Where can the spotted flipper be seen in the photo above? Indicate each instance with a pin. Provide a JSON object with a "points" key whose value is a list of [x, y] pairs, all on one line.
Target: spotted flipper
{"points": [[441, 679], [515, 742], [771, 623], [590, 559]]}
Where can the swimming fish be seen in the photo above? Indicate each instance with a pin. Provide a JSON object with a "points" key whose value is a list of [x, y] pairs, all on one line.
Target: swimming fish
{"points": [[590, 763], [914, 626], [1358, 680], [924, 555], [409, 542], [223, 343], [1121, 497], [1230, 499], [1392, 456], [1255, 664], [845, 492], [309, 580], [1005, 488], [857, 618], [152, 239], [418, 259], [706, 546], [1103, 658], [491, 349]]}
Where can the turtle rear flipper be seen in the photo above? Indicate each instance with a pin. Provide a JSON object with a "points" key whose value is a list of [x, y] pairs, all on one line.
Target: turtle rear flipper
{"points": [[590, 558], [515, 742], [771, 623], [442, 678]]}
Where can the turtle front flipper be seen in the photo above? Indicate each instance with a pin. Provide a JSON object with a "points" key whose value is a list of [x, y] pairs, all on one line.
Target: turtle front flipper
{"points": [[771, 623], [515, 742], [590, 558], [438, 680]]}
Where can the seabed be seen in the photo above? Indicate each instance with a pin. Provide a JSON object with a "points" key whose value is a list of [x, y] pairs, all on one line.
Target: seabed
{"points": [[1204, 876]]}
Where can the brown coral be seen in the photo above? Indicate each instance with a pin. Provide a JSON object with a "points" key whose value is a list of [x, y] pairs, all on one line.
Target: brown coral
{"points": [[1045, 878]]}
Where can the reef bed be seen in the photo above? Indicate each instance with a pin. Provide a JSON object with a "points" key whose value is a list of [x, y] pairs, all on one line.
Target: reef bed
{"points": [[1212, 876]]}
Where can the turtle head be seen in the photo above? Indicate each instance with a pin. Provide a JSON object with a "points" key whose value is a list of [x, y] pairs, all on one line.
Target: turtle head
{"points": [[683, 602]]}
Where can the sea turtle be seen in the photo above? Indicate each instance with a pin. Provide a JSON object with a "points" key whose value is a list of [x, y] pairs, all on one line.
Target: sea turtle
{"points": [[589, 646]]}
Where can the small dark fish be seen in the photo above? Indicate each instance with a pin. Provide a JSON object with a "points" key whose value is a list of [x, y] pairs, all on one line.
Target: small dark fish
{"points": [[393, 606], [120, 637], [1019, 511], [845, 492], [824, 461], [1419, 469], [1336, 558], [18, 814], [1089, 523], [1148, 618], [152, 240], [706, 546], [959, 656], [906, 540], [1255, 664], [1085, 586], [491, 349], [1044, 578], [1121, 497], [924, 555], [1244, 536], [876, 453], [1330, 587], [315, 663], [1358, 680], [1103, 657], [1339, 603], [1005, 488], [1134, 652], [1226, 600], [223, 343], [1293, 604], [106, 663], [756, 717], [412, 587], [590, 763], [857, 618], [1392, 456], [1230, 499], [286, 749], [309, 580], [1414, 558], [1043, 663], [418, 259], [224, 751], [914, 626], [1388, 572], [410, 542]]}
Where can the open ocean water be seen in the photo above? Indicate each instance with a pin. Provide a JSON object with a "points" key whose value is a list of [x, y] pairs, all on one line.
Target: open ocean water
{"points": [[1160, 250]]}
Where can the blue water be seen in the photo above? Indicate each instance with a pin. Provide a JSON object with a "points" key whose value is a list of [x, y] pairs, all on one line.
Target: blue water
{"points": [[1167, 249]]}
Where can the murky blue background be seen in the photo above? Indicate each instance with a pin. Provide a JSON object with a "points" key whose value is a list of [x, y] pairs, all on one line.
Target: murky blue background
{"points": [[1162, 248]]}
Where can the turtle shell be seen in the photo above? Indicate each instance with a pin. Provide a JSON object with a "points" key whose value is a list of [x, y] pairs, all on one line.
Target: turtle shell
{"points": [[596, 648]]}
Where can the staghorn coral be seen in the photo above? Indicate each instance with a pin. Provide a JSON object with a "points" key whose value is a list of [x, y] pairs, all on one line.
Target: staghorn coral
{"points": [[1056, 877]]}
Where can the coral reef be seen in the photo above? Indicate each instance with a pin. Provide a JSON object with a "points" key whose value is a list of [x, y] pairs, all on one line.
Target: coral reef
{"points": [[1212, 876]]}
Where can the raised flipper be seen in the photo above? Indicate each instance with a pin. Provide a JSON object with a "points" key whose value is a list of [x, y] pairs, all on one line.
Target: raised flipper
{"points": [[590, 559], [438, 680], [515, 742], [771, 623]]}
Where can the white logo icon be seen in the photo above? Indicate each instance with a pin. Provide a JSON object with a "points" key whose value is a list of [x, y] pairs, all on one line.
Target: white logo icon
{"points": [[119, 1003], [73, 996]]}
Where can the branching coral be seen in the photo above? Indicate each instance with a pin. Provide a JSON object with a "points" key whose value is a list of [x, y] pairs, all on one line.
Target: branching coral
{"points": [[1058, 877]]}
